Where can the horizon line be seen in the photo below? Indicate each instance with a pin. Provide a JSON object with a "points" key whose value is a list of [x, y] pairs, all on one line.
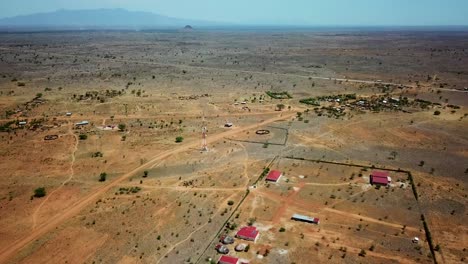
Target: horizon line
{"points": [[226, 23]]}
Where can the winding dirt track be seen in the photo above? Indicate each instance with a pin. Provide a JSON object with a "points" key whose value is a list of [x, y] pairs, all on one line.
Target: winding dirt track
{"points": [[73, 210], [72, 173]]}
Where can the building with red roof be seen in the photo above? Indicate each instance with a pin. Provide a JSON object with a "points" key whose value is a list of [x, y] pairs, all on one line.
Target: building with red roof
{"points": [[380, 178], [274, 176], [228, 260], [249, 233]]}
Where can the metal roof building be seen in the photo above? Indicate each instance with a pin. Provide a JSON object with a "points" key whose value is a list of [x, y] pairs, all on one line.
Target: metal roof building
{"points": [[380, 178], [274, 176], [304, 218]]}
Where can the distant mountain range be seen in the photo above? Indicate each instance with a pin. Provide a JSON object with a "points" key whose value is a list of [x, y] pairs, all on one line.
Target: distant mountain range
{"points": [[99, 18]]}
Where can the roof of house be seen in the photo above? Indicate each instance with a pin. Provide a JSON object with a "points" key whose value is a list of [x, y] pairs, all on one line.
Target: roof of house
{"points": [[380, 179], [228, 259], [248, 232], [379, 174], [305, 218], [274, 175]]}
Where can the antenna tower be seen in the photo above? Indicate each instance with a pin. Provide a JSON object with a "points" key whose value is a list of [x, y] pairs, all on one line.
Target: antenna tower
{"points": [[204, 134]]}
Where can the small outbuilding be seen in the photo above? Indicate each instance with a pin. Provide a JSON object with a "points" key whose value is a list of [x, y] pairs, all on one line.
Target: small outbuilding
{"points": [[249, 233], [274, 176], [228, 260], [240, 247], [82, 123], [306, 219], [222, 249], [380, 178], [226, 239]]}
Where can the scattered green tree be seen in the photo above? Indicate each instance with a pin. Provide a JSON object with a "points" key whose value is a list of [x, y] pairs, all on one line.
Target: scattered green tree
{"points": [[39, 192], [103, 177], [280, 107]]}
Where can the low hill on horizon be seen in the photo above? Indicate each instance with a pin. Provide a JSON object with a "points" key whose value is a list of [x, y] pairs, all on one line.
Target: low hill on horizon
{"points": [[99, 18]]}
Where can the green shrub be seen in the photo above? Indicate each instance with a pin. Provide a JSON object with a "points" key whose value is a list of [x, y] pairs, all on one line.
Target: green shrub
{"points": [[83, 137], [40, 192], [179, 139], [103, 177]]}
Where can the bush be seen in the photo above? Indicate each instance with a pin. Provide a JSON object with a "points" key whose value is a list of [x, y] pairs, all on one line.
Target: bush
{"points": [[179, 139], [103, 177], [437, 112], [122, 127], [282, 229], [145, 174], [279, 95], [230, 202], [362, 253], [83, 137], [280, 107], [97, 154], [40, 192]]}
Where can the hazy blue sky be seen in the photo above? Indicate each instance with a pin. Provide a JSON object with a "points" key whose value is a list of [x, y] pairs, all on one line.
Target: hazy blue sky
{"points": [[299, 12]]}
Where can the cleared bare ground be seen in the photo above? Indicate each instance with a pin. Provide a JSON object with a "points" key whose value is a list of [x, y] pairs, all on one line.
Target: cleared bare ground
{"points": [[162, 85]]}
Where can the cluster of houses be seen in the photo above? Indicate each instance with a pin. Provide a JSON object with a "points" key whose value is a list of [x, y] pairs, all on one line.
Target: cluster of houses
{"points": [[381, 178], [249, 233]]}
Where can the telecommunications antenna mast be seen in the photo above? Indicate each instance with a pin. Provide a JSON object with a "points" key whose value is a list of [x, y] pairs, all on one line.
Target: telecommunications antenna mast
{"points": [[204, 134]]}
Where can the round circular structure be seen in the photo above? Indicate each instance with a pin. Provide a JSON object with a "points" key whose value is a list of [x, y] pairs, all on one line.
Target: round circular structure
{"points": [[262, 132], [240, 247], [51, 137]]}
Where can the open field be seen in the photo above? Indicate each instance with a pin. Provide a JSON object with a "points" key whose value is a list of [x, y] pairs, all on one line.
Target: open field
{"points": [[120, 189]]}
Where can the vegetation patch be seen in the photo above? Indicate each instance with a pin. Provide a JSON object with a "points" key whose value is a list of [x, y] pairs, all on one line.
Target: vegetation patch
{"points": [[39, 192], [129, 190], [310, 101], [279, 95]]}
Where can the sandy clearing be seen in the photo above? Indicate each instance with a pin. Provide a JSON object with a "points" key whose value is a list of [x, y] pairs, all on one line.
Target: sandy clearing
{"points": [[73, 210]]}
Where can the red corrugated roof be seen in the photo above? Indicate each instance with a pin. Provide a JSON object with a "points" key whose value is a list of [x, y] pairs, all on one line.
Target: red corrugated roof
{"points": [[379, 179], [380, 174], [249, 232], [274, 175], [228, 260]]}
